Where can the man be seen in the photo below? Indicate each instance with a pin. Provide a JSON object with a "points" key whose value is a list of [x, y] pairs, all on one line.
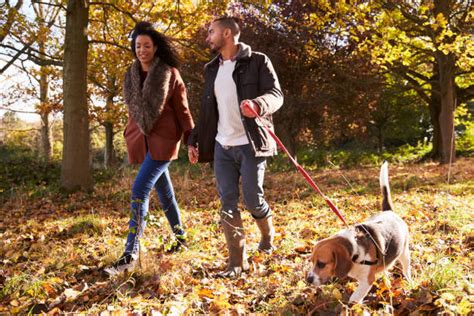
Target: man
{"points": [[237, 81]]}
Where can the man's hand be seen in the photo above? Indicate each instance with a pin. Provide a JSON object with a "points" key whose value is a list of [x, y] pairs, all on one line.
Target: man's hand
{"points": [[193, 154], [245, 105]]}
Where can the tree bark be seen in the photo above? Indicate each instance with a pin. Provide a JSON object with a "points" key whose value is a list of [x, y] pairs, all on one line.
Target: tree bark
{"points": [[76, 171], [435, 110], [434, 106], [44, 111], [109, 154], [45, 152], [446, 115], [446, 65]]}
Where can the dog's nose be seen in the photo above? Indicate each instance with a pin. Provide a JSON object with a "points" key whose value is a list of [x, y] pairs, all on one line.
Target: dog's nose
{"points": [[310, 279]]}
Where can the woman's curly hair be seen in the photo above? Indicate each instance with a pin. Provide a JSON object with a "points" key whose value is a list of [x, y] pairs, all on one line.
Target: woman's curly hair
{"points": [[165, 49]]}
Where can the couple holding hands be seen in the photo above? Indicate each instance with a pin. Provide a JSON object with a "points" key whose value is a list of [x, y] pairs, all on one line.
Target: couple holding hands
{"points": [[238, 83]]}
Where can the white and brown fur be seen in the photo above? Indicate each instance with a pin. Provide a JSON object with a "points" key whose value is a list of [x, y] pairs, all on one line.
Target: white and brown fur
{"points": [[145, 103], [363, 250]]}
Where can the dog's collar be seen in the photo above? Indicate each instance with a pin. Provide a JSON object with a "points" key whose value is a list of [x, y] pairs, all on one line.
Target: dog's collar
{"points": [[364, 262], [378, 251]]}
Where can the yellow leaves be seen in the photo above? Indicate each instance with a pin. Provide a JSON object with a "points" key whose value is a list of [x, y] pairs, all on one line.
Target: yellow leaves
{"points": [[448, 296], [301, 284], [448, 301], [204, 292], [337, 294], [218, 299], [424, 8], [464, 307], [441, 20], [220, 303], [383, 286], [14, 303], [283, 268]]}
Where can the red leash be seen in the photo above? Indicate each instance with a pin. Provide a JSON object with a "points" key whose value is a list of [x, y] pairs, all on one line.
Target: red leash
{"points": [[300, 169]]}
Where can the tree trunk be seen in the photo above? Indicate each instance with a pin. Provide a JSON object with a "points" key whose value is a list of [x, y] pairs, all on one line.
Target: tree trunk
{"points": [[435, 111], [44, 110], [109, 154], [446, 66], [380, 139], [45, 151], [76, 171], [446, 116]]}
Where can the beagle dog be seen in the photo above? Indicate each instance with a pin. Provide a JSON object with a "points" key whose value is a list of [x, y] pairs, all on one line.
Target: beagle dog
{"points": [[363, 250]]}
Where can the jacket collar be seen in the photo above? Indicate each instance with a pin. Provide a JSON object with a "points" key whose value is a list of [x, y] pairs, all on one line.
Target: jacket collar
{"points": [[244, 52]]}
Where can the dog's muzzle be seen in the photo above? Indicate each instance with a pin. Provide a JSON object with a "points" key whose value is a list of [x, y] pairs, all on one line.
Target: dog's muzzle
{"points": [[313, 279]]}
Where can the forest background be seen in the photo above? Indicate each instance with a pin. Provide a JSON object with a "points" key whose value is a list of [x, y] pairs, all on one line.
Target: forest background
{"points": [[364, 81]]}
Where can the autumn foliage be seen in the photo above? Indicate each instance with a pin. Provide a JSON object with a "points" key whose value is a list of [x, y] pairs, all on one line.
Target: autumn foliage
{"points": [[363, 81], [54, 247]]}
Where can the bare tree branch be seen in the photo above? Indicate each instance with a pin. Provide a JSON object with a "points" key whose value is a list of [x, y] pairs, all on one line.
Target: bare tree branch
{"points": [[16, 111], [13, 59], [416, 86], [465, 94], [23, 67], [26, 49], [58, 5], [19, 130], [45, 58]]}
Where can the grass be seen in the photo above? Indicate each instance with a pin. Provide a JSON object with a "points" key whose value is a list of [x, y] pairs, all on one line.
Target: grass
{"points": [[90, 225], [53, 247]]}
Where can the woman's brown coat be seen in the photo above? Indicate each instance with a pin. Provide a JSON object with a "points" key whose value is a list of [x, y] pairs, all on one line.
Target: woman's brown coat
{"points": [[158, 112]]}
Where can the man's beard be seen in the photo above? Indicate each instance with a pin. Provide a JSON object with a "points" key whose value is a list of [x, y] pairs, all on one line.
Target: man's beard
{"points": [[217, 47]]}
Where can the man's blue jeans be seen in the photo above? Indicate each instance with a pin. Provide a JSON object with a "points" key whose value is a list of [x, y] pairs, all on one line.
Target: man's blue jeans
{"points": [[239, 161], [152, 173]]}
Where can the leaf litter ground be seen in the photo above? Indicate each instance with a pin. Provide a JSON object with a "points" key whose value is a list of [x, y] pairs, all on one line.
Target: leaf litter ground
{"points": [[53, 248]]}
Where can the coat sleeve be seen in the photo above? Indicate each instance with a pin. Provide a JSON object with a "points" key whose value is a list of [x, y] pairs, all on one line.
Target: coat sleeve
{"points": [[272, 98], [181, 107], [193, 137]]}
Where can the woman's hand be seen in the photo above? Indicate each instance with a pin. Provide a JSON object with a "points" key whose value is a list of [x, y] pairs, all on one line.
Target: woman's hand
{"points": [[193, 154]]}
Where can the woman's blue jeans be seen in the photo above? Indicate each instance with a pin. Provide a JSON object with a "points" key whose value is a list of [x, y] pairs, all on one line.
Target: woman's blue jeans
{"points": [[152, 173]]}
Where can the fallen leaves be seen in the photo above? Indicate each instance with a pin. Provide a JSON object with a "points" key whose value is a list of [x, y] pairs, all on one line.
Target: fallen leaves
{"points": [[203, 292], [53, 248]]}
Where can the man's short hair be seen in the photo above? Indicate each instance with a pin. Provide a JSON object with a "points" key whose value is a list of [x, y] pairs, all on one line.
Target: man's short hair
{"points": [[229, 22]]}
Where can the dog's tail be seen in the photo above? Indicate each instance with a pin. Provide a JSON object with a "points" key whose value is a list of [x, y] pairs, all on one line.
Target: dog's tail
{"points": [[387, 204]]}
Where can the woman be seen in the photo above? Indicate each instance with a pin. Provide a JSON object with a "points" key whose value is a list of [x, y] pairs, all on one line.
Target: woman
{"points": [[158, 117]]}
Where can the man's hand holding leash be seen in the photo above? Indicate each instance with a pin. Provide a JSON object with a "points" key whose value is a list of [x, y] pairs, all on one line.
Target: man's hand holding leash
{"points": [[246, 107]]}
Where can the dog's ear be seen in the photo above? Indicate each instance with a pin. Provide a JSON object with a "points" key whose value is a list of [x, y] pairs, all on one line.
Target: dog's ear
{"points": [[342, 262]]}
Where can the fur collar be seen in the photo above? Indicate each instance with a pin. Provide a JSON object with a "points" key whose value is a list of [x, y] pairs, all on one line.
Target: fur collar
{"points": [[146, 103]]}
